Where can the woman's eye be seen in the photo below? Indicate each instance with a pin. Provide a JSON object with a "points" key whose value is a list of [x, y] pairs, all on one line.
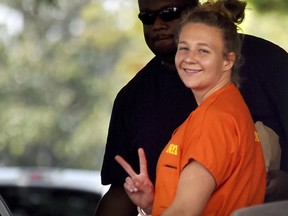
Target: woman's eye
{"points": [[182, 48], [204, 51]]}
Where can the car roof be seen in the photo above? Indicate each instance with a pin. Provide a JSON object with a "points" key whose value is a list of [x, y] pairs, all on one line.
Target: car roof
{"points": [[76, 179]]}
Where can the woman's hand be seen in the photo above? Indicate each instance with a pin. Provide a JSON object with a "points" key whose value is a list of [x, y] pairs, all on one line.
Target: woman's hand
{"points": [[138, 186]]}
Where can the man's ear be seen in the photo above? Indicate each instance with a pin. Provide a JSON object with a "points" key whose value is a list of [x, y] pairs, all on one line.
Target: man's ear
{"points": [[229, 61]]}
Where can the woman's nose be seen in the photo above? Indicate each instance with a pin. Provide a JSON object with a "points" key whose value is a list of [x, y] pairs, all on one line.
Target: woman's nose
{"points": [[190, 58]]}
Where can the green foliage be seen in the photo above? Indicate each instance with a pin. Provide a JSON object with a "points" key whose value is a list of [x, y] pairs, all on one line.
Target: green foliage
{"points": [[58, 80], [269, 24], [267, 6]]}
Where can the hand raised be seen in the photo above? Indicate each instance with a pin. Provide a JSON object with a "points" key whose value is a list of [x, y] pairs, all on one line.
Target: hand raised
{"points": [[138, 186]]}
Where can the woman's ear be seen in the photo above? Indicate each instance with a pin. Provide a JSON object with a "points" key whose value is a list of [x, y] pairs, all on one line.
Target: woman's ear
{"points": [[229, 61]]}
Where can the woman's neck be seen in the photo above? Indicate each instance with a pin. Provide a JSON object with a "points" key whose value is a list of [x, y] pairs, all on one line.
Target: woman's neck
{"points": [[201, 95]]}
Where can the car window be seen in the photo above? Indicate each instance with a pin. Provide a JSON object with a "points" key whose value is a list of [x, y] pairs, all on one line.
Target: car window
{"points": [[39, 201]]}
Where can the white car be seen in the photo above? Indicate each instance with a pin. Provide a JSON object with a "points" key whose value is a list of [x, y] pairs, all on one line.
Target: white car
{"points": [[50, 191]]}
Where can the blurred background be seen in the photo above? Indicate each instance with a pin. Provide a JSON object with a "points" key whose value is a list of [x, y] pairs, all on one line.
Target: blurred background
{"points": [[62, 63]]}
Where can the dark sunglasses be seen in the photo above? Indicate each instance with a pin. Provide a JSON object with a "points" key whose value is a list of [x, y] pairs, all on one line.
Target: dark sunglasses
{"points": [[166, 14]]}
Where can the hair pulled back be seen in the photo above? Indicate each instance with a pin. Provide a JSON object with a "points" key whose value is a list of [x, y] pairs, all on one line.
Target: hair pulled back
{"points": [[223, 14]]}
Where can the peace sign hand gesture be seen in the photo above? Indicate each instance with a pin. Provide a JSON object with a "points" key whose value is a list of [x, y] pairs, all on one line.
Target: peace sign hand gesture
{"points": [[138, 187]]}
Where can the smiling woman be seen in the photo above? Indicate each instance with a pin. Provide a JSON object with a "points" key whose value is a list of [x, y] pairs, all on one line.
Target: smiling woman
{"points": [[218, 143], [200, 61]]}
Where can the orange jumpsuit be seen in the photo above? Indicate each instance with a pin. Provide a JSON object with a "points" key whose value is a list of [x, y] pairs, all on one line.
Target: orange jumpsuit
{"points": [[219, 134]]}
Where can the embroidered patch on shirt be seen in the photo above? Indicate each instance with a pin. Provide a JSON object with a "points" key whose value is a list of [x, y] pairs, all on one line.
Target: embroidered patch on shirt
{"points": [[256, 135], [172, 149]]}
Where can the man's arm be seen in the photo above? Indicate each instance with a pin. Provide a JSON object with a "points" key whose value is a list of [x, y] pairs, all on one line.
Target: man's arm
{"points": [[277, 187], [116, 202]]}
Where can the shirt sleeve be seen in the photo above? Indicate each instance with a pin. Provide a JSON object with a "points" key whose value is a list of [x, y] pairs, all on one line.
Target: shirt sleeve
{"points": [[216, 148], [117, 141]]}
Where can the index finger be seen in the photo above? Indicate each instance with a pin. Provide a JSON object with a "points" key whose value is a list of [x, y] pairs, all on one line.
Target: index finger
{"points": [[126, 166]]}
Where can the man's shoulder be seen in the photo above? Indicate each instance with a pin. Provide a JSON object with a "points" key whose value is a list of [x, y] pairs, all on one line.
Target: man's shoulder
{"points": [[149, 68], [253, 43], [146, 73], [142, 77]]}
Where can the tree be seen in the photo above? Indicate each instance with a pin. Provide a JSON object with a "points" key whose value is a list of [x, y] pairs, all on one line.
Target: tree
{"points": [[268, 6], [59, 78]]}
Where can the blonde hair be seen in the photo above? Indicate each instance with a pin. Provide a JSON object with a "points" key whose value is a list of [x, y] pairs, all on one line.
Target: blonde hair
{"points": [[226, 15]]}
